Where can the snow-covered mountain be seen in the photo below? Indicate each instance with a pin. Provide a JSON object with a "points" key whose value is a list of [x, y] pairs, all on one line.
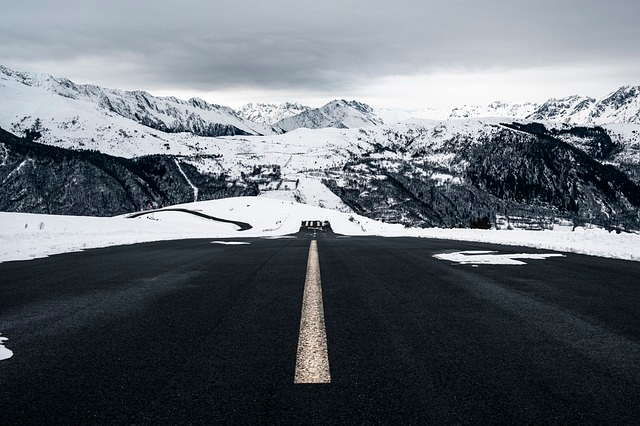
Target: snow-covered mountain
{"points": [[338, 114], [270, 114], [389, 116], [418, 172], [451, 173], [570, 109], [46, 179], [494, 109], [621, 106], [59, 100]]}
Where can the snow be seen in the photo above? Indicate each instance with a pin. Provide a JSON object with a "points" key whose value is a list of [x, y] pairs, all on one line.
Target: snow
{"points": [[442, 179], [390, 116], [72, 116], [307, 190], [195, 189], [16, 170], [79, 122], [271, 113], [620, 106], [26, 236], [495, 109], [66, 94], [479, 257], [337, 113], [4, 352]]}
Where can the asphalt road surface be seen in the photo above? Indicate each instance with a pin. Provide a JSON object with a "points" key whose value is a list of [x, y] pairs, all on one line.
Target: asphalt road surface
{"points": [[195, 332]]}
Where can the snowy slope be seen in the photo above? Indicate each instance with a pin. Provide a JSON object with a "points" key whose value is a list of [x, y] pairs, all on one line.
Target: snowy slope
{"points": [[292, 166], [302, 155], [621, 106], [339, 114], [575, 109], [27, 236], [392, 116], [494, 109], [167, 114], [270, 114], [300, 159], [77, 123]]}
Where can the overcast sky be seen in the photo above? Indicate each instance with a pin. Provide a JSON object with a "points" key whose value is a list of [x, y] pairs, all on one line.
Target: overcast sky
{"points": [[401, 54]]}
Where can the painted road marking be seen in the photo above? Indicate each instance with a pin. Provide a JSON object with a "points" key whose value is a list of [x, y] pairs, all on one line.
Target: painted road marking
{"points": [[476, 257], [230, 243], [312, 360]]}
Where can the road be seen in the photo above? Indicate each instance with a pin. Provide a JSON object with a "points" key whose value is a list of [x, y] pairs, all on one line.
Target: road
{"points": [[196, 332], [242, 226]]}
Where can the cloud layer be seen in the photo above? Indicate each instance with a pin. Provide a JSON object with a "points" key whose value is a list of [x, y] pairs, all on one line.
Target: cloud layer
{"points": [[330, 46]]}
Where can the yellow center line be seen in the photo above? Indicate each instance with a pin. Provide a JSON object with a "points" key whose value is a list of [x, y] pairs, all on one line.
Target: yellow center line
{"points": [[312, 361]]}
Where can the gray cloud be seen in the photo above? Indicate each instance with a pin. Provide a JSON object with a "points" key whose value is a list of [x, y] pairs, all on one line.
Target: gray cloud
{"points": [[285, 44]]}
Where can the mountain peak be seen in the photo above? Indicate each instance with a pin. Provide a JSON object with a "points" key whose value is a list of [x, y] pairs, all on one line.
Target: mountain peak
{"points": [[623, 95], [338, 113], [270, 113], [167, 114]]}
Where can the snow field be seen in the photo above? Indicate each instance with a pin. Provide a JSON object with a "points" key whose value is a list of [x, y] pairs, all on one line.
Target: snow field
{"points": [[26, 236]]}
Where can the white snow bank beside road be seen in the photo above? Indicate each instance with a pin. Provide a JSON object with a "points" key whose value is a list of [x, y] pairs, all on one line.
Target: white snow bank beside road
{"points": [[593, 242], [26, 236]]}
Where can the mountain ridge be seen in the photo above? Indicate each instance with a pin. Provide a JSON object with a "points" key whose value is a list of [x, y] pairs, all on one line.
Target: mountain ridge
{"points": [[269, 113], [454, 172], [339, 113], [619, 106], [37, 178], [167, 114], [172, 115]]}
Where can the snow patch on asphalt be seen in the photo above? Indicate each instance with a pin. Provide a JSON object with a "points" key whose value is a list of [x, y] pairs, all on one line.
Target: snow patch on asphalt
{"points": [[4, 352], [479, 257]]}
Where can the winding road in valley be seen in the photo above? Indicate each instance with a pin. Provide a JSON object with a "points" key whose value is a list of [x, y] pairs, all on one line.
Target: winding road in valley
{"points": [[357, 330]]}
